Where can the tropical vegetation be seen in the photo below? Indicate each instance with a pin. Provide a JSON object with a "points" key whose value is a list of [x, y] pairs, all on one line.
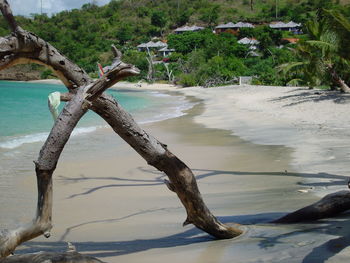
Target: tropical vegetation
{"points": [[86, 34], [323, 57]]}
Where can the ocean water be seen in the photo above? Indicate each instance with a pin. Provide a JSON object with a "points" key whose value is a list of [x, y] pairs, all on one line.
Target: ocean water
{"points": [[25, 122], [25, 117]]}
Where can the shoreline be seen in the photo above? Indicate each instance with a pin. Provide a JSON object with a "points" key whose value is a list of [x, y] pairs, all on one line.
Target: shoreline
{"points": [[241, 181], [312, 122], [140, 219]]}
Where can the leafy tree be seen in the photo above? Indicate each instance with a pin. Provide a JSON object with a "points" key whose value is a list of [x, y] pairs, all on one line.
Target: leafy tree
{"points": [[267, 36], [188, 41], [159, 18], [210, 14], [124, 33], [321, 55], [139, 59], [183, 17]]}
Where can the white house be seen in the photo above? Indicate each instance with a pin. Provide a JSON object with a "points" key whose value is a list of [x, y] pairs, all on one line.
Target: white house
{"points": [[290, 26], [232, 27], [165, 51], [188, 29], [151, 46]]}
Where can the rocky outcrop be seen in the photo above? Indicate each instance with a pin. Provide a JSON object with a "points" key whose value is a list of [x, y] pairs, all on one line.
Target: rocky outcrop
{"points": [[20, 72]]}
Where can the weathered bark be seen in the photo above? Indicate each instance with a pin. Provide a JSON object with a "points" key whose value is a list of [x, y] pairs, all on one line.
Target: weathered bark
{"points": [[329, 206], [24, 47], [182, 180], [67, 257], [337, 80]]}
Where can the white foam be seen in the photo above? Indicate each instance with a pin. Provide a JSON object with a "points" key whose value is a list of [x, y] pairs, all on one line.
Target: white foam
{"points": [[17, 141], [158, 94], [172, 111]]}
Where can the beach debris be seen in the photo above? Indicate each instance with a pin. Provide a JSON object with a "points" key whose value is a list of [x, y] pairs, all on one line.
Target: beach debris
{"points": [[329, 206], [139, 84], [305, 190], [71, 247], [54, 100]]}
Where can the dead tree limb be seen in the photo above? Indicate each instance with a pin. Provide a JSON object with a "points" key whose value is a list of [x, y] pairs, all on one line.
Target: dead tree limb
{"points": [[84, 94], [46, 257], [329, 206]]}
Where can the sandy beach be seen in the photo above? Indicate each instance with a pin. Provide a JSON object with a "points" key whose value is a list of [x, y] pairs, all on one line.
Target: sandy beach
{"points": [[252, 149]]}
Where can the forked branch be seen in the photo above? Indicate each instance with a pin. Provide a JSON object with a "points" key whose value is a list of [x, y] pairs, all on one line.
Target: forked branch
{"points": [[84, 94]]}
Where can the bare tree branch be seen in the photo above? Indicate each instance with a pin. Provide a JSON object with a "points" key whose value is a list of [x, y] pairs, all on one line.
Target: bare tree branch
{"points": [[7, 13], [84, 93]]}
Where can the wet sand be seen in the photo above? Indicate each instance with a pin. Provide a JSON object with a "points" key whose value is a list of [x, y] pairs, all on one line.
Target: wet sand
{"points": [[111, 205]]}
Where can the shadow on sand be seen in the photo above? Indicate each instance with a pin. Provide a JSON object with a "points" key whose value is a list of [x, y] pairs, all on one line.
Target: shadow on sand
{"points": [[267, 237], [330, 236], [315, 96], [332, 179]]}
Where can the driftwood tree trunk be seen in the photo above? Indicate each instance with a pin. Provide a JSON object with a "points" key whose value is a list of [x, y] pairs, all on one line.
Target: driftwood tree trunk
{"points": [[329, 206], [84, 94], [66, 257]]}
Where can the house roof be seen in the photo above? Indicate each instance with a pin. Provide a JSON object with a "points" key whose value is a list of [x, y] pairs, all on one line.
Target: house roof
{"points": [[188, 28], [228, 25], [242, 24], [166, 49], [280, 24], [151, 44], [233, 25], [248, 41]]}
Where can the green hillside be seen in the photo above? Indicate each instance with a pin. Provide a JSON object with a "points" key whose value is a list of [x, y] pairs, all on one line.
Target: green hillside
{"points": [[85, 34]]}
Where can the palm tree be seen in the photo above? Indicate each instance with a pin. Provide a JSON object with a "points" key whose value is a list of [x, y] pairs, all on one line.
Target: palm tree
{"points": [[321, 56]]}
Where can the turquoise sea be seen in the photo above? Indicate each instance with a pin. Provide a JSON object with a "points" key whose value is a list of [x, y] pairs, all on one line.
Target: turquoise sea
{"points": [[25, 122], [25, 117]]}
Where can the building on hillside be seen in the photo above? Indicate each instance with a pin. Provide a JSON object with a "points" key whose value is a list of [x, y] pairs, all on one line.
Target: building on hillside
{"points": [[159, 48], [165, 51], [248, 41], [252, 42], [184, 29], [151, 46], [290, 26], [232, 27]]}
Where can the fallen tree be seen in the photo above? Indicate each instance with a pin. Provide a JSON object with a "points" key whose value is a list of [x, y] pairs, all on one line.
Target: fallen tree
{"points": [[85, 94], [329, 206]]}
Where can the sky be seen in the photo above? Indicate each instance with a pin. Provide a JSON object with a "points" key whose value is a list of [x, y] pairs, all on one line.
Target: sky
{"points": [[26, 7]]}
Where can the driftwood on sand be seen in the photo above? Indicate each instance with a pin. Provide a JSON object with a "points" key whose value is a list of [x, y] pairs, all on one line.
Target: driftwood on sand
{"points": [[331, 205], [85, 94]]}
